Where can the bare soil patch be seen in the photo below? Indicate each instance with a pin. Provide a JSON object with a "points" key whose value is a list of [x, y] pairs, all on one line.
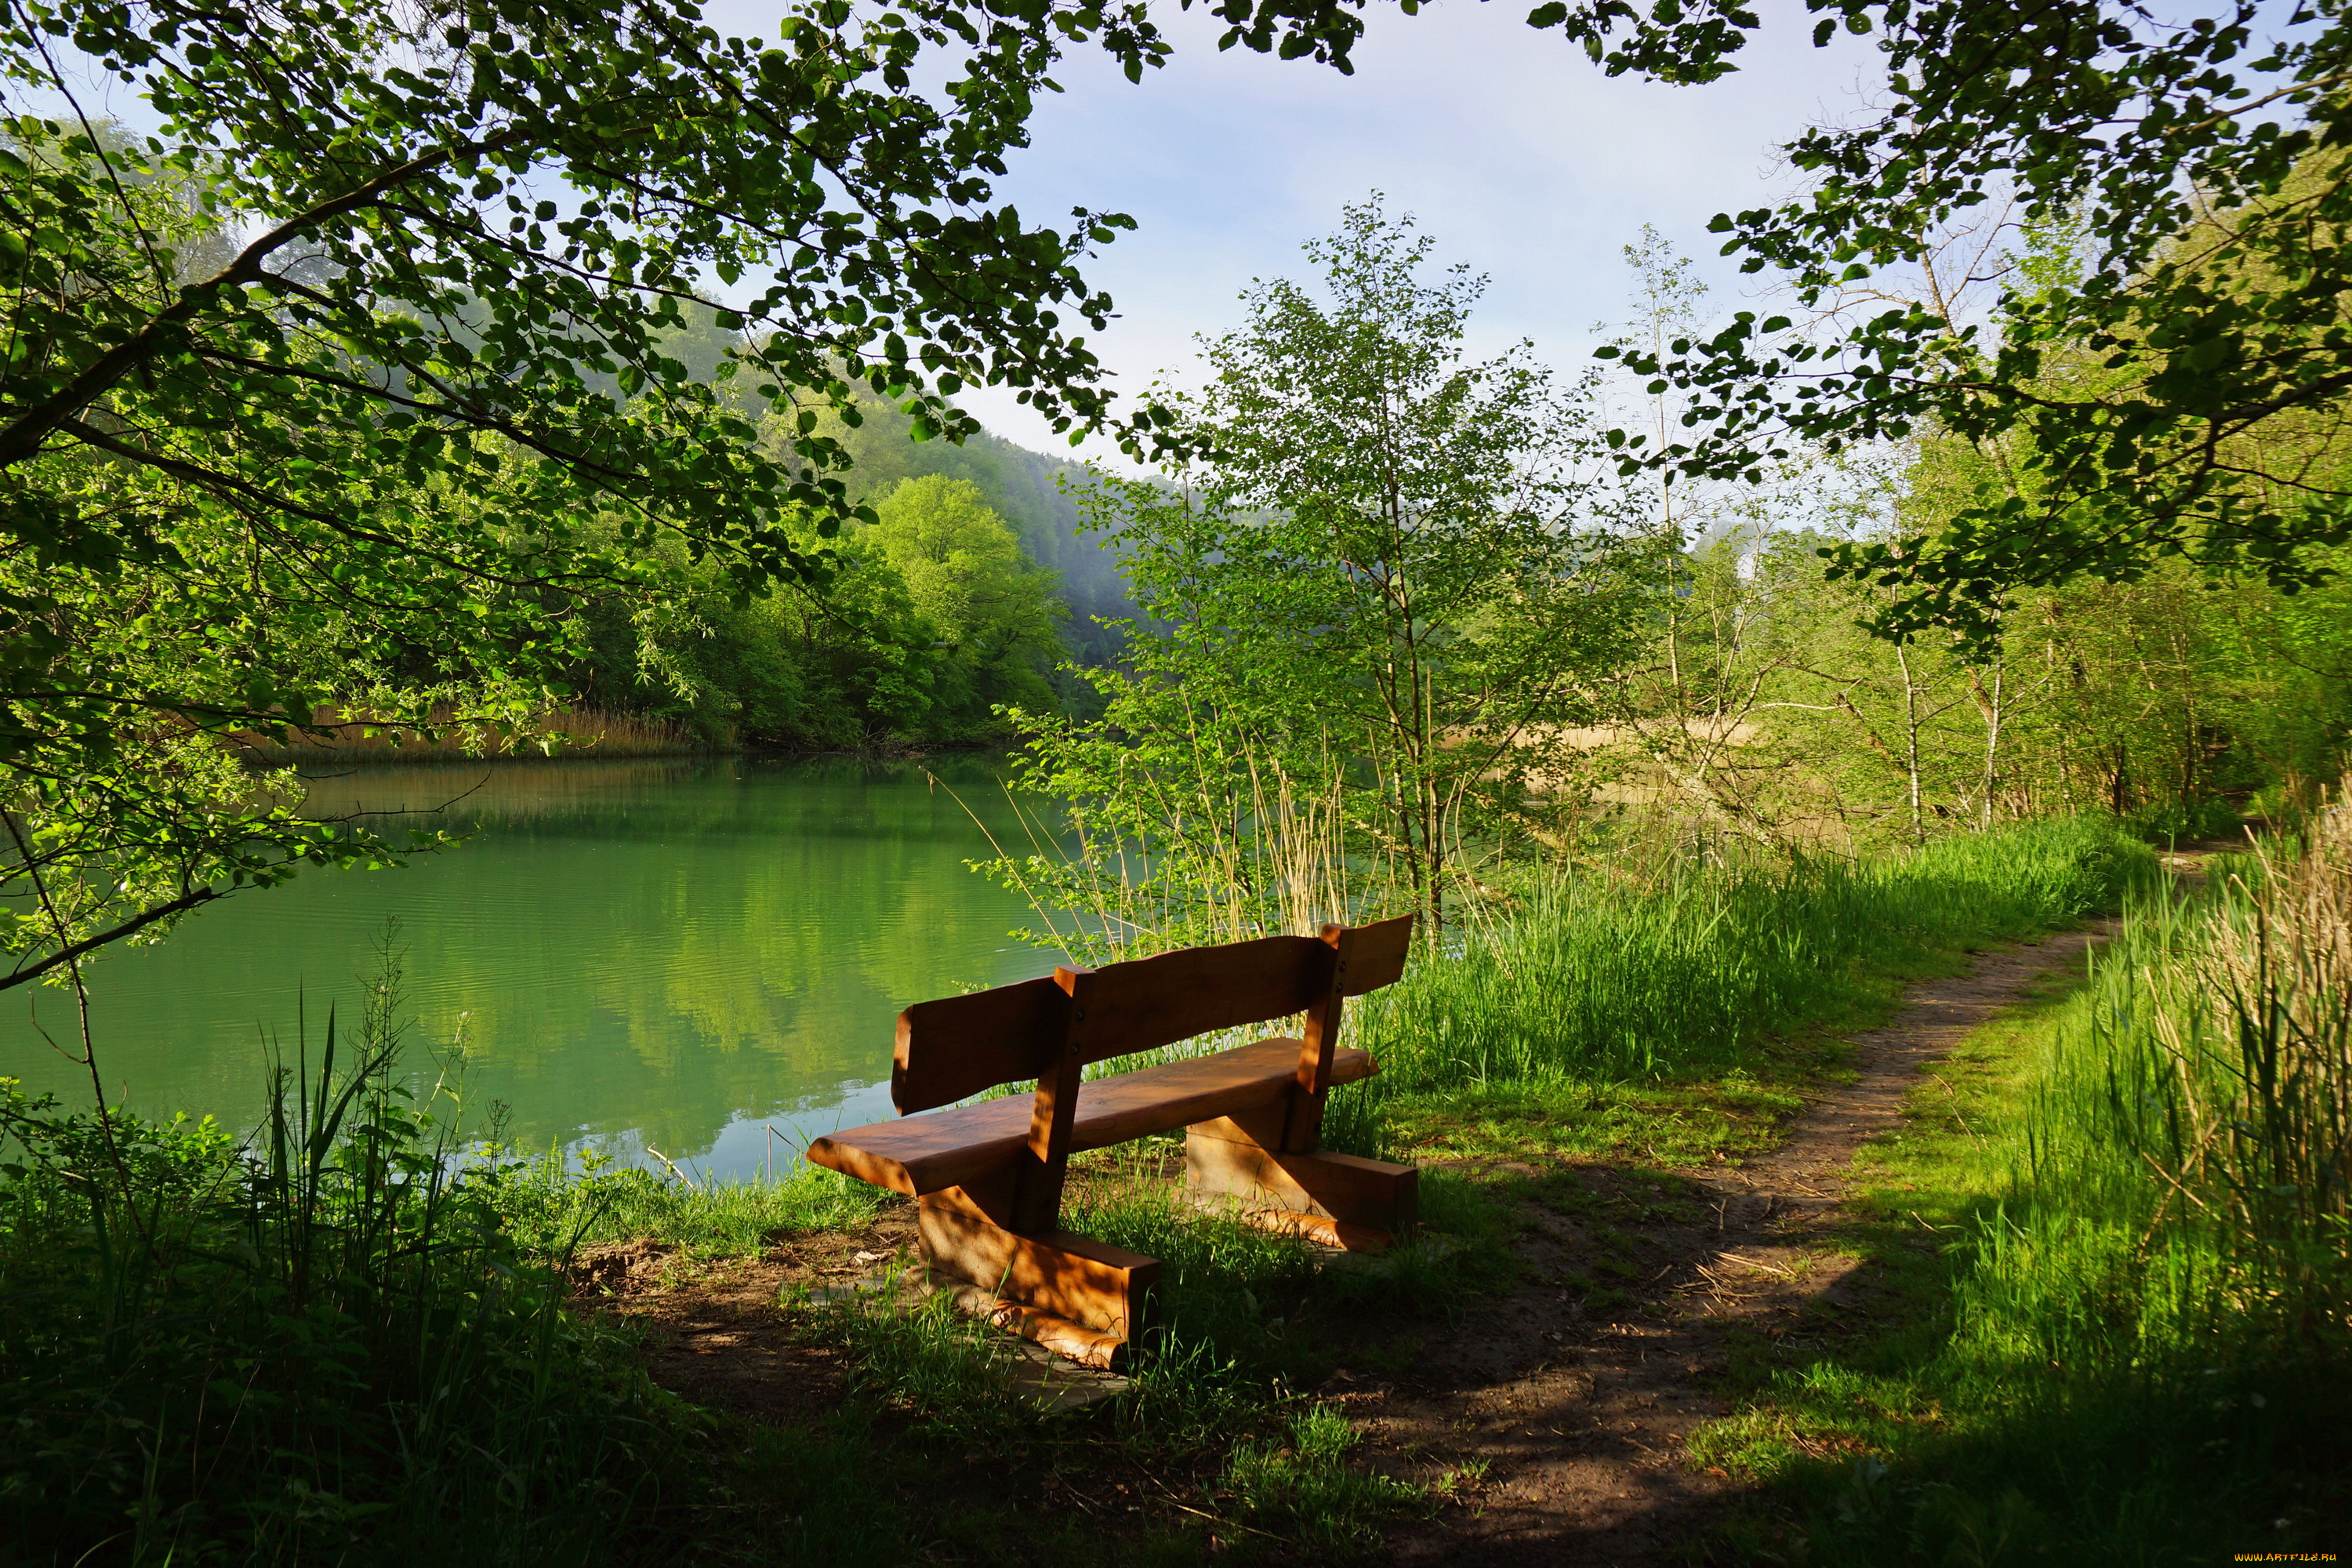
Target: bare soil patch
{"points": [[713, 1331]]}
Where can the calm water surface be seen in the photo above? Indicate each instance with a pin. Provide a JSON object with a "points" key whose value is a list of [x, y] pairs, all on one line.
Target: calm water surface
{"points": [[679, 954]]}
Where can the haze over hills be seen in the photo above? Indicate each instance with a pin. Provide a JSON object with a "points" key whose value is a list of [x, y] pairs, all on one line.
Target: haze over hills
{"points": [[1020, 484], [1024, 487]]}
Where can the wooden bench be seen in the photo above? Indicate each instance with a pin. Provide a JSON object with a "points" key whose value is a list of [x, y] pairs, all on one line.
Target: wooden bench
{"points": [[988, 1178]]}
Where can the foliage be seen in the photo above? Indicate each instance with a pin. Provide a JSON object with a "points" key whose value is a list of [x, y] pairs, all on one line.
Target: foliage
{"points": [[967, 580], [1375, 591], [1024, 487], [354, 384], [2168, 702], [931, 619], [315, 1344], [2197, 171], [2167, 344], [1764, 706]]}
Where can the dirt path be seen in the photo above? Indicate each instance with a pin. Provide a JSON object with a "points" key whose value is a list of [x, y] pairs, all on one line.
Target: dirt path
{"points": [[1579, 1415]]}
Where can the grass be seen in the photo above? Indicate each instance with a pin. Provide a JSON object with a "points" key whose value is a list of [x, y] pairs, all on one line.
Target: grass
{"points": [[1675, 1024], [350, 1336], [1302, 1484], [551, 1204], [314, 1345], [2084, 1355]]}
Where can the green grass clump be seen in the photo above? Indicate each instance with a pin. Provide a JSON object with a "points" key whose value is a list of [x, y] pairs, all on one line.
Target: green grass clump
{"points": [[1301, 1485]]}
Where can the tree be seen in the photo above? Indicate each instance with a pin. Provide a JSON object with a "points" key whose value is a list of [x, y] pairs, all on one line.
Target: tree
{"points": [[2203, 165], [419, 411], [966, 578], [1374, 585], [1023, 487]]}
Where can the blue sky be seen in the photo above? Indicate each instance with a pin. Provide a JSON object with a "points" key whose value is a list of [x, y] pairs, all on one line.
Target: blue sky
{"points": [[1515, 154]]}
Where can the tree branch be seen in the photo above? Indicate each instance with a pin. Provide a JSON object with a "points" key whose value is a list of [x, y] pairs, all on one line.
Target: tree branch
{"points": [[135, 924]]}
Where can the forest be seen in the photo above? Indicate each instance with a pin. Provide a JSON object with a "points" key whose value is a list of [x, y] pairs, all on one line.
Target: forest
{"points": [[1864, 764]]}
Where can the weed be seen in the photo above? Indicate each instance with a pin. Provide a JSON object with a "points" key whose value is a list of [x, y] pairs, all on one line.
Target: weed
{"points": [[1303, 1484]]}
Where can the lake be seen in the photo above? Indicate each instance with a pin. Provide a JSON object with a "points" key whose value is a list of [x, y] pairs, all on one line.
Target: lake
{"points": [[704, 957]]}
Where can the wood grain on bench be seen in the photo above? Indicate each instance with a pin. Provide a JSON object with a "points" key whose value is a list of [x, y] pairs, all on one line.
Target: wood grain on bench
{"points": [[929, 1154]]}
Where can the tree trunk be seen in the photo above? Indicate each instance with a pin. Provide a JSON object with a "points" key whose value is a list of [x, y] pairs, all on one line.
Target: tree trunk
{"points": [[1989, 706], [1911, 742]]}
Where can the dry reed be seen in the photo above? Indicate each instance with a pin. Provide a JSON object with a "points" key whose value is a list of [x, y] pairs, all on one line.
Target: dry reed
{"points": [[569, 731], [1225, 857], [2255, 1127]]}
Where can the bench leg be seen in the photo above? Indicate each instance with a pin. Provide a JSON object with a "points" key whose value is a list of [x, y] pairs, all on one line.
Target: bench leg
{"points": [[1359, 1205], [1075, 1296]]}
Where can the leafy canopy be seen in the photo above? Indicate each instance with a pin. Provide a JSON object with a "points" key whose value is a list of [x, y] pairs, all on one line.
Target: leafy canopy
{"points": [[964, 570], [2198, 166], [2159, 381], [351, 384]]}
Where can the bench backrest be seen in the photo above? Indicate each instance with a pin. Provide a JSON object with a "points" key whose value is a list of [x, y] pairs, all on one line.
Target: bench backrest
{"points": [[959, 1045]]}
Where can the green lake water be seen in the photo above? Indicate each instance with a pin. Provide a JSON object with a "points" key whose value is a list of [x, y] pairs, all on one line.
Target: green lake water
{"points": [[674, 954]]}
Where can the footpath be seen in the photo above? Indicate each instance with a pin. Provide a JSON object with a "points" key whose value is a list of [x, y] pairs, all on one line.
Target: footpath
{"points": [[1580, 1418]]}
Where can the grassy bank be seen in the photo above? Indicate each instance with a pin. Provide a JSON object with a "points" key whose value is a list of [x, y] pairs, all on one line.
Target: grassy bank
{"points": [[1675, 1018], [2117, 1231], [355, 1338]]}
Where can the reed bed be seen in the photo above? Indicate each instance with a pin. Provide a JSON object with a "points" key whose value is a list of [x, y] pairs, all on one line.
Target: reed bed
{"points": [[585, 732]]}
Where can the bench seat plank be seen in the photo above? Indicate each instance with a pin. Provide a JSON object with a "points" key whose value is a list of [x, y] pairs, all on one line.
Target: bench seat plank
{"points": [[941, 1149]]}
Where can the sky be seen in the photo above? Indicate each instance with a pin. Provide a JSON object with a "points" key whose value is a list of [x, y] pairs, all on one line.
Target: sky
{"points": [[1512, 151], [1515, 154]]}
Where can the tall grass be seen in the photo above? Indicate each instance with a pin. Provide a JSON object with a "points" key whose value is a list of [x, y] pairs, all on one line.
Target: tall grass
{"points": [[1596, 977], [2238, 1095], [2143, 1354], [315, 1346]]}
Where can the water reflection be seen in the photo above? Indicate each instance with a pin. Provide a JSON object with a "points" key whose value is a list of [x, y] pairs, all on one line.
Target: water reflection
{"points": [[673, 953]]}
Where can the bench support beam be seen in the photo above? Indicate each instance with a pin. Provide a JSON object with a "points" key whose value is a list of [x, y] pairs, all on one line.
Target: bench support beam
{"points": [[1074, 1295], [1339, 1199]]}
